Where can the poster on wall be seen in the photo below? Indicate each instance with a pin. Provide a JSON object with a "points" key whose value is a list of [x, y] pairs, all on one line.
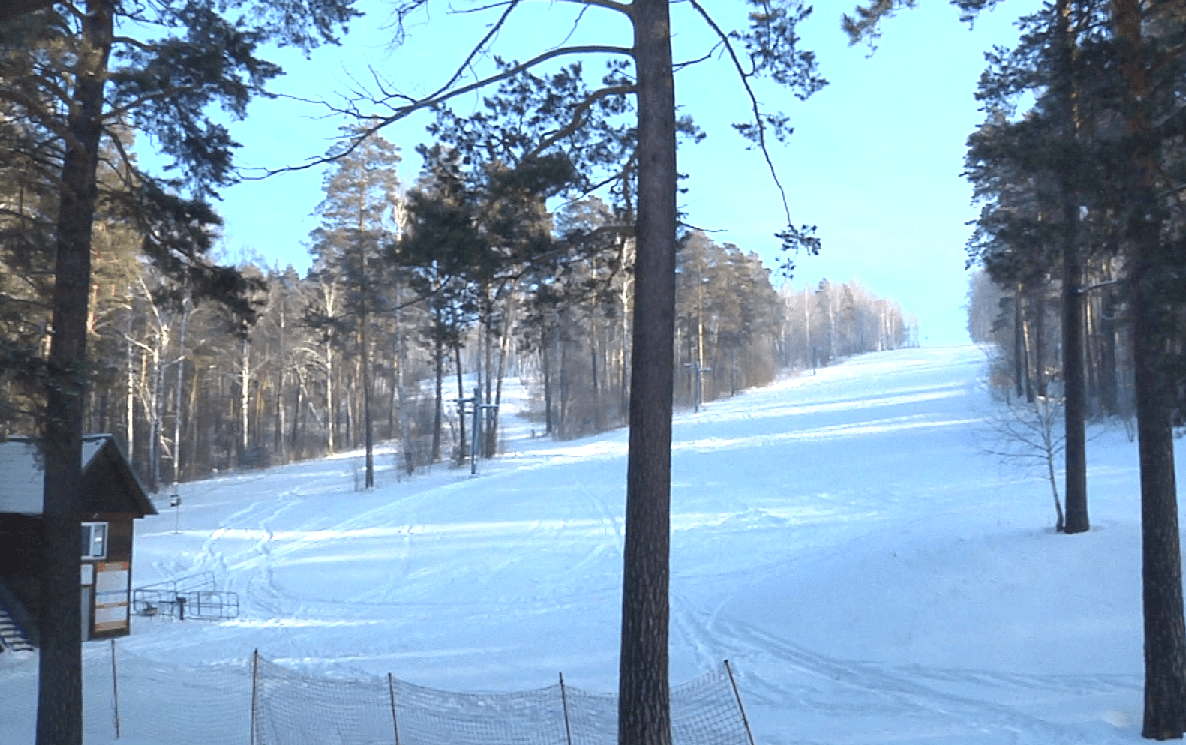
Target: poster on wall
{"points": [[112, 596]]}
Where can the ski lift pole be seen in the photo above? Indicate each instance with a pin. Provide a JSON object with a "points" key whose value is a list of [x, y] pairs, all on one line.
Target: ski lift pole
{"points": [[475, 432], [461, 412], [481, 411], [175, 503], [698, 371]]}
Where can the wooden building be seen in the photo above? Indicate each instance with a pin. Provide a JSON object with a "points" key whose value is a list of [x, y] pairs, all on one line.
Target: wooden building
{"points": [[113, 498]]}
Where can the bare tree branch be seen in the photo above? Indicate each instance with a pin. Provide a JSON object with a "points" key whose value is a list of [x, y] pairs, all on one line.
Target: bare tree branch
{"points": [[578, 117], [631, 164], [483, 8], [622, 8], [477, 49], [1100, 285], [696, 61], [120, 113], [128, 172], [440, 97], [45, 169], [142, 46], [35, 108], [755, 107]]}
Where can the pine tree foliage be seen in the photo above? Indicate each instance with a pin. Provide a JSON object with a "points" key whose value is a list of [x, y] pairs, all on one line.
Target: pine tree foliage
{"points": [[27, 215], [766, 46], [576, 319], [986, 307], [483, 277], [359, 218], [728, 318], [1091, 178], [69, 79]]}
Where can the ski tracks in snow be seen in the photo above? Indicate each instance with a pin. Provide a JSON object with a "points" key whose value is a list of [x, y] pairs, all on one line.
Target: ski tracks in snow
{"points": [[245, 539], [251, 542], [914, 702]]}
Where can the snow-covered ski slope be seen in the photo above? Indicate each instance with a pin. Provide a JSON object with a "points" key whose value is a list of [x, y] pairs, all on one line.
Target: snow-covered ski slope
{"points": [[842, 538]]}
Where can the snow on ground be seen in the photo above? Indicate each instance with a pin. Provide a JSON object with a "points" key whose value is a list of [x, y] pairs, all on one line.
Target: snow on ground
{"points": [[842, 538]]}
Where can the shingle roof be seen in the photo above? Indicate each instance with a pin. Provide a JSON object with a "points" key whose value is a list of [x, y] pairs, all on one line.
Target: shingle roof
{"points": [[22, 480]]}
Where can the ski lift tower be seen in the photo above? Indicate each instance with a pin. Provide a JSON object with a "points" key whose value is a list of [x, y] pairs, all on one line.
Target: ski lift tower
{"points": [[698, 371], [477, 408], [175, 503]]}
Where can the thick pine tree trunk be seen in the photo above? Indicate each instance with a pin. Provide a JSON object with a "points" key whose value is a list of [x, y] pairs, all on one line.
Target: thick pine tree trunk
{"points": [[1019, 347], [298, 419], [1039, 342], [368, 432], [503, 353], [331, 407], [644, 713], [546, 363], [438, 362], [1074, 380], [1109, 383], [462, 449], [59, 702], [1074, 376], [179, 391], [1161, 563]]}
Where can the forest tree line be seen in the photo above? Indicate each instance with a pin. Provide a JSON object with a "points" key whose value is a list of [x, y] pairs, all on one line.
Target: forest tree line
{"points": [[1079, 170], [1070, 187], [1024, 326], [378, 338], [76, 78], [1081, 193], [500, 260]]}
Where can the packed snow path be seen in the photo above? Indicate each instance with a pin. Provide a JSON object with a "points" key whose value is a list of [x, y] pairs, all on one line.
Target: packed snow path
{"points": [[842, 538]]}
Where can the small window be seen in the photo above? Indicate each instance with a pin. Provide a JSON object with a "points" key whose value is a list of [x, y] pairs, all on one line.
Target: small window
{"points": [[94, 540]]}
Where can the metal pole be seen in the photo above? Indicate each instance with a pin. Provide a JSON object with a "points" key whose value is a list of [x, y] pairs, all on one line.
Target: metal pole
{"points": [[475, 433], [115, 688], [394, 720], [254, 693], [740, 707], [564, 701]]}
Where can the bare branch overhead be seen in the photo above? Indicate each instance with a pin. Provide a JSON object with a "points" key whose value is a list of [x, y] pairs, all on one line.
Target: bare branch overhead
{"points": [[378, 122], [755, 107]]}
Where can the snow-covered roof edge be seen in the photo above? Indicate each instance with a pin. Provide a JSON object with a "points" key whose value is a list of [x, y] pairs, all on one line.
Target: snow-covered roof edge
{"points": [[22, 477]]}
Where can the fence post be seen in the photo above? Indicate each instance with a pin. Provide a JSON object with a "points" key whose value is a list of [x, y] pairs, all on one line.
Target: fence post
{"points": [[115, 688], [740, 706], [394, 719], [564, 702], [254, 693]]}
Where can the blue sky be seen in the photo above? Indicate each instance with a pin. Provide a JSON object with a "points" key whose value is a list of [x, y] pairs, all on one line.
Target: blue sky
{"points": [[875, 160]]}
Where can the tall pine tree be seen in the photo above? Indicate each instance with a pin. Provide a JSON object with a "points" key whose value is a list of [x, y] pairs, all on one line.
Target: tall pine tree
{"points": [[358, 219], [163, 86]]}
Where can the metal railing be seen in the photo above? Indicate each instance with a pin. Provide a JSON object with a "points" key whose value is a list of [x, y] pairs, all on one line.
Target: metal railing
{"points": [[193, 597]]}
